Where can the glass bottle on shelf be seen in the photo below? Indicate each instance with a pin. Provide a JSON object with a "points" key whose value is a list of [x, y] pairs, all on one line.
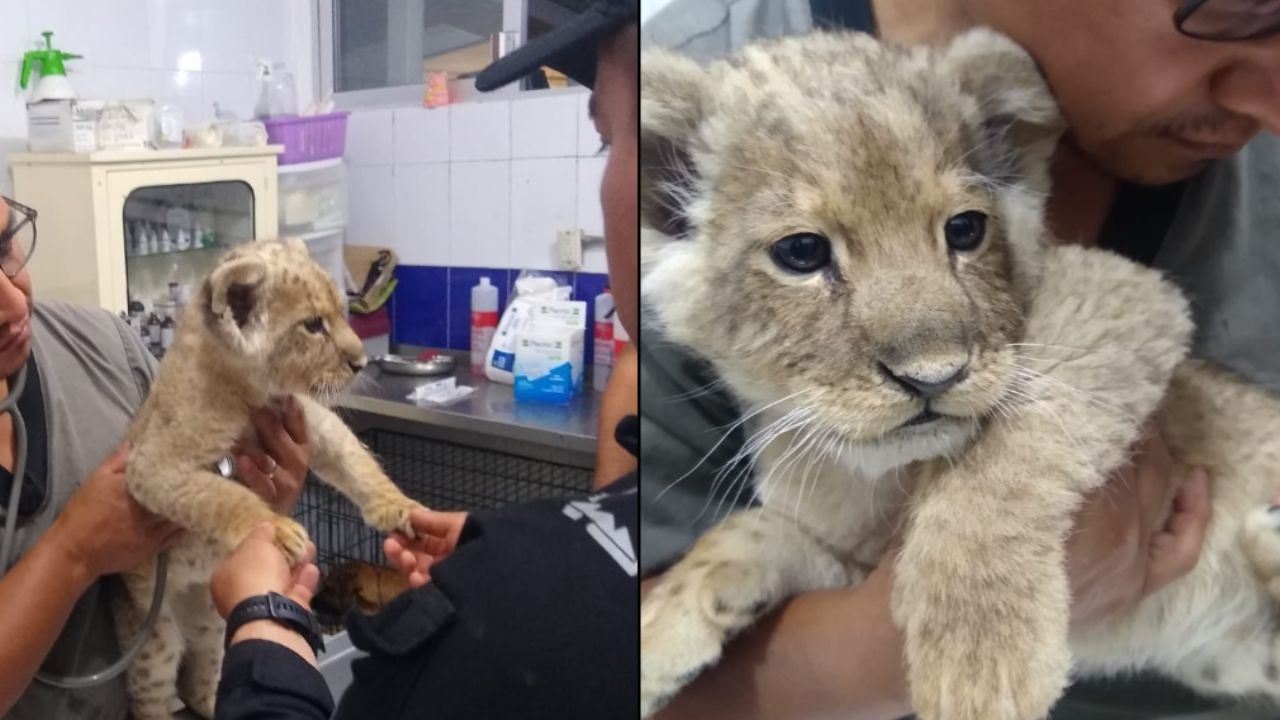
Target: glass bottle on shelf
{"points": [[166, 240], [167, 329], [153, 239], [137, 314], [153, 332]]}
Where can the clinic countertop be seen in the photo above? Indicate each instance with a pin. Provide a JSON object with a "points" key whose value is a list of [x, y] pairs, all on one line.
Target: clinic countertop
{"points": [[491, 411]]}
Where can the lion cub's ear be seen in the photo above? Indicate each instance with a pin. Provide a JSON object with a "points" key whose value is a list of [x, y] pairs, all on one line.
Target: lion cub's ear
{"points": [[236, 304], [1019, 112], [672, 97]]}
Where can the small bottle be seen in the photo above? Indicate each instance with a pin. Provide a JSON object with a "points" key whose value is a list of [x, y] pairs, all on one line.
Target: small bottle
{"points": [[620, 338], [602, 348], [153, 239], [140, 245], [167, 329], [484, 322], [175, 292], [137, 315], [153, 332], [166, 240]]}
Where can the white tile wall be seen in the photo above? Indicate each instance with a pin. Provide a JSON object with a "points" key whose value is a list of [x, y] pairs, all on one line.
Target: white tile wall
{"points": [[543, 201], [544, 127], [492, 181], [588, 136], [479, 213], [369, 138], [422, 214], [185, 52], [421, 135], [590, 215], [372, 205], [480, 131]]}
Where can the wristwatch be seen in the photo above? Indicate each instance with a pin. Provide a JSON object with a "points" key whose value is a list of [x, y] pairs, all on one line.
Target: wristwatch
{"points": [[274, 606]]}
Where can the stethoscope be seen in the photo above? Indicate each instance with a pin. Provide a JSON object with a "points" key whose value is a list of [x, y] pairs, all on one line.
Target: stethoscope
{"points": [[17, 384]]}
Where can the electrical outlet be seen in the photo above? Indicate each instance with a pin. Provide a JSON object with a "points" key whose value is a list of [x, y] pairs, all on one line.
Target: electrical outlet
{"points": [[569, 249]]}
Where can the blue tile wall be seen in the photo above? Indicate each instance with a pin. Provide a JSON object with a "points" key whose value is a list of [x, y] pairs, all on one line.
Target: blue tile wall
{"points": [[419, 306], [432, 305]]}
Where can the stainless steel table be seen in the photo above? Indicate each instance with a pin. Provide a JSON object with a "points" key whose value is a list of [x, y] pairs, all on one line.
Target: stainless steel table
{"points": [[489, 418]]}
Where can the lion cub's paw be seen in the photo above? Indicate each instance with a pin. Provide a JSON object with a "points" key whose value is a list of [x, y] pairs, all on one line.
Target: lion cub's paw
{"points": [[1262, 545], [391, 513], [291, 538], [999, 671], [677, 641]]}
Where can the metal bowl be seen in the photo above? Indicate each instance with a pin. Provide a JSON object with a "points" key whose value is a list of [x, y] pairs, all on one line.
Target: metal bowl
{"points": [[399, 365]]}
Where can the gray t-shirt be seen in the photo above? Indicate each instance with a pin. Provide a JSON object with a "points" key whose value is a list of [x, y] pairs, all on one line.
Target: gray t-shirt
{"points": [[94, 374]]}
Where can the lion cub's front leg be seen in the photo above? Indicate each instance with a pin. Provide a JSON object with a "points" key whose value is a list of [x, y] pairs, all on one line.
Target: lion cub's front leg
{"points": [[981, 586], [339, 458], [733, 575]]}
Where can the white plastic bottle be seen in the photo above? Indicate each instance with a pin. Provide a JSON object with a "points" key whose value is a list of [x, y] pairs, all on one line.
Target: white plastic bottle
{"points": [[484, 322], [620, 337], [602, 353]]}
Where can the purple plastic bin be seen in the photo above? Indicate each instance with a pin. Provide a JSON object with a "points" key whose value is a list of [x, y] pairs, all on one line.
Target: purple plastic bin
{"points": [[317, 137]]}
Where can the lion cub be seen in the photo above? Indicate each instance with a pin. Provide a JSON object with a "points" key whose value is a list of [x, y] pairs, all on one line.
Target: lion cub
{"points": [[853, 235], [267, 323]]}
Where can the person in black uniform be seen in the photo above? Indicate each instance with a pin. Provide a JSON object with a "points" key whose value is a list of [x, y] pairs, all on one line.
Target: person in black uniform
{"points": [[527, 611]]}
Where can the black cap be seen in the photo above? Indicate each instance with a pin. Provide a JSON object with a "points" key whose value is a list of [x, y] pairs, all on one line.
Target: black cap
{"points": [[570, 48]]}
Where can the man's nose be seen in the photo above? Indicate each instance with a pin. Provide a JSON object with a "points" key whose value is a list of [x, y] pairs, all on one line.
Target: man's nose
{"points": [[13, 302], [1251, 86]]}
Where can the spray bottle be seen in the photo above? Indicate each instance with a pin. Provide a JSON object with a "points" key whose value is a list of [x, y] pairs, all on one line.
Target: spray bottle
{"points": [[53, 83]]}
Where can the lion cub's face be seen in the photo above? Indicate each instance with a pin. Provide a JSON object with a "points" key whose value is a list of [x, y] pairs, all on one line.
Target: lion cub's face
{"points": [[846, 230], [280, 317]]}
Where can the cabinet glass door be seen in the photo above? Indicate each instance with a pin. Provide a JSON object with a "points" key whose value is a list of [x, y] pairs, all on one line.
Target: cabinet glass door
{"points": [[173, 235]]}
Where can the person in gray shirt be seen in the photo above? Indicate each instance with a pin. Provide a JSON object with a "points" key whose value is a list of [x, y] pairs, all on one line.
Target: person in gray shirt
{"points": [[87, 373], [1171, 160]]}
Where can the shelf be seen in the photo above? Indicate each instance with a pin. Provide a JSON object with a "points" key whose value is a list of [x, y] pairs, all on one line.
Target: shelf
{"points": [[191, 251], [307, 167], [143, 156]]}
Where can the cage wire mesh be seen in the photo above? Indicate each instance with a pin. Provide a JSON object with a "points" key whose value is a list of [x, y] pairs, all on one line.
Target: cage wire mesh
{"points": [[442, 476]]}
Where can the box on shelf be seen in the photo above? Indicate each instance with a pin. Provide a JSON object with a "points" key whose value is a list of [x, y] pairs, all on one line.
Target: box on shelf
{"points": [[58, 126], [85, 126], [549, 353]]}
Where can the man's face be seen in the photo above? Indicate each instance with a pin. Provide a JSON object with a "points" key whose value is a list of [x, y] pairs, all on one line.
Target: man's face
{"points": [[1144, 102], [615, 109], [15, 310]]}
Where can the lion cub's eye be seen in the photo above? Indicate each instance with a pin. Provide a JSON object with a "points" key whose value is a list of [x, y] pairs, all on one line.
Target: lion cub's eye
{"points": [[965, 231], [314, 325], [801, 253]]}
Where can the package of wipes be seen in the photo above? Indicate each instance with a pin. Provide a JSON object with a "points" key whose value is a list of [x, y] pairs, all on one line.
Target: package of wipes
{"points": [[549, 353]]}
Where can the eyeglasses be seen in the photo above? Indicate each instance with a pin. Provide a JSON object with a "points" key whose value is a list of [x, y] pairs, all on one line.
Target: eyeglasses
{"points": [[17, 241], [1228, 20]]}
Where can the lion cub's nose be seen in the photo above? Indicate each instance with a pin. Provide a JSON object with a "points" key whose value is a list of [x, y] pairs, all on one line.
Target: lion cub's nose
{"points": [[357, 365], [927, 384]]}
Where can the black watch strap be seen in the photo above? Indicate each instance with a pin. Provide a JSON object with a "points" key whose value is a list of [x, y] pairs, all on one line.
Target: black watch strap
{"points": [[274, 606]]}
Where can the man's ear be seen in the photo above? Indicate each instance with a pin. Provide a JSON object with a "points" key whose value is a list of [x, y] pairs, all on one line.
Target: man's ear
{"points": [[235, 302], [672, 97], [1020, 116]]}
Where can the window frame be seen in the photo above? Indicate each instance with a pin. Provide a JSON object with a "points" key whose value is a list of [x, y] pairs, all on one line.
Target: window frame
{"points": [[515, 26]]}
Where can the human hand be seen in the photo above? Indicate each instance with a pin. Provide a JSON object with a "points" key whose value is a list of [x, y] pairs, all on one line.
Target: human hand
{"points": [[1138, 533], [436, 536], [272, 459], [257, 567], [103, 530]]}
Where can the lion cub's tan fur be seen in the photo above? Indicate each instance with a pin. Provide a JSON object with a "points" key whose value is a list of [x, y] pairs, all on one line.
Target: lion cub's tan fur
{"points": [[267, 324], [1067, 351]]}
